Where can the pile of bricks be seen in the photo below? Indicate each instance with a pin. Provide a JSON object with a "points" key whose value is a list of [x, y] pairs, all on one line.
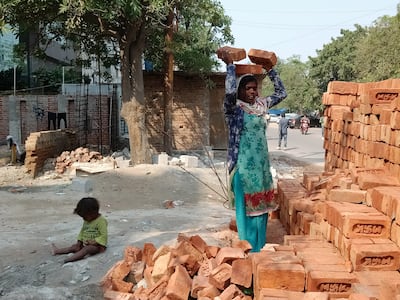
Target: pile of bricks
{"points": [[362, 125], [356, 212], [81, 154], [344, 244], [42, 145]]}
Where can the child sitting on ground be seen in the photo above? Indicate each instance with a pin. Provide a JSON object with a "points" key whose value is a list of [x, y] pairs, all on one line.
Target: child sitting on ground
{"points": [[92, 238]]}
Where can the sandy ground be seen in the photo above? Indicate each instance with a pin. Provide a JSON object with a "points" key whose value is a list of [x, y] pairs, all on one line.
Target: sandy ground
{"points": [[37, 212]]}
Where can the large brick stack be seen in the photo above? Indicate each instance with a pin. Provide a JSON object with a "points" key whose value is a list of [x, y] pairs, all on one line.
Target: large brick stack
{"points": [[42, 145], [357, 212], [362, 125]]}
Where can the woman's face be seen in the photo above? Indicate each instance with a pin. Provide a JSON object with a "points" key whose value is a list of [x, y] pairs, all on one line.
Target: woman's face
{"points": [[249, 93]]}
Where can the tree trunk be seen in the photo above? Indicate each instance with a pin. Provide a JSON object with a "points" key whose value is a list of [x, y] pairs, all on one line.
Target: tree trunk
{"points": [[168, 83], [133, 102]]}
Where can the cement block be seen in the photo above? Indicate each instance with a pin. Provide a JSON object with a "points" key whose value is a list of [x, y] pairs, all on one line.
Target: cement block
{"points": [[190, 161], [80, 184]]}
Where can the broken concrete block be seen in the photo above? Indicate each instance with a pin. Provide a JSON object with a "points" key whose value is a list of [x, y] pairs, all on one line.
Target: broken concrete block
{"points": [[83, 185]]}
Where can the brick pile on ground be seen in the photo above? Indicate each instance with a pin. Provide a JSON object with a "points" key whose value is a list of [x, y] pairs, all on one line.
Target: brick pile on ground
{"points": [[80, 155], [344, 242]]}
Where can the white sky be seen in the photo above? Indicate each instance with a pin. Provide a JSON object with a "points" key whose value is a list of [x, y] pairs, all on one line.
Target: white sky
{"points": [[299, 27]]}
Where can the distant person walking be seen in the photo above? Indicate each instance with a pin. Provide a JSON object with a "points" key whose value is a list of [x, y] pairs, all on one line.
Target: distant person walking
{"points": [[321, 121], [283, 126]]}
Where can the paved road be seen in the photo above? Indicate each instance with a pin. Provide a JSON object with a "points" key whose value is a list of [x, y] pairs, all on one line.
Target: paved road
{"points": [[308, 148]]}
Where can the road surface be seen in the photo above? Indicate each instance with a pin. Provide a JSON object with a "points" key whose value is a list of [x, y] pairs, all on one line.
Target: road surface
{"points": [[308, 148]]}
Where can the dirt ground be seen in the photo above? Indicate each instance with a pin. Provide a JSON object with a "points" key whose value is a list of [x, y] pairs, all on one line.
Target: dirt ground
{"points": [[34, 213]]}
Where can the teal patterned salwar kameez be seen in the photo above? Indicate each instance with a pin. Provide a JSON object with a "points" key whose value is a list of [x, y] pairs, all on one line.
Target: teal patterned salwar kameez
{"points": [[248, 160]]}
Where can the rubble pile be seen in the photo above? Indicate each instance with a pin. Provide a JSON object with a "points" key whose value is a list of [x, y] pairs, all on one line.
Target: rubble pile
{"points": [[80, 155], [344, 242]]}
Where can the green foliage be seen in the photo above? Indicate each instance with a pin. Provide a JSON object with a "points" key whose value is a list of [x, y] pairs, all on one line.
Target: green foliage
{"points": [[50, 81], [336, 61], [303, 95], [200, 28], [378, 54]]}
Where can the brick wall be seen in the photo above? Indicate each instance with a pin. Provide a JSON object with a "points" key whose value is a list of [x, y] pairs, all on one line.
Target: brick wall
{"points": [[191, 122], [24, 114], [362, 125], [44, 144]]}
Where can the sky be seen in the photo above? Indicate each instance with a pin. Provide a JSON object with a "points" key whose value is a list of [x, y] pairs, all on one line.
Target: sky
{"points": [[299, 27]]}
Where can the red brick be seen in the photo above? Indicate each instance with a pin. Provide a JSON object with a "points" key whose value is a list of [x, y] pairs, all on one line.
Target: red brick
{"points": [[280, 276], [375, 257], [377, 277], [114, 295], [185, 247], [242, 272], [121, 286], [342, 87], [220, 276], [158, 289], [369, 225], [179, 284], [235, 54], [212, 251], [162, 267], [207, 266], [390, 289], [208, 293], [355, 172], [335, 283], [230, 293], [148, 251], [367, 181], [198, 243], [199, 283], [132, 254], [347, 195], [242, 244], [228, 254], [267, 59], [266, 257], [383, 96], [242, 69], [395, 120]]}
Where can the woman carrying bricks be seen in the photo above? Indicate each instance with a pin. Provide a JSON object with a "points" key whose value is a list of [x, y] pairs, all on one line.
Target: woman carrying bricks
{"points": [[251, 182]]}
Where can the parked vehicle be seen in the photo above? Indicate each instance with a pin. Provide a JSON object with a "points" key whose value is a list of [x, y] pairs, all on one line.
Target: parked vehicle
{"points": [[295, 123], [274, 118], [291, 117]]}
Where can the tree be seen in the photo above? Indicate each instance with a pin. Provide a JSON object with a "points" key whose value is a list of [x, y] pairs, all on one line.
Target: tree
{"points": [[303, 95], [378, 54], [336, 60], [123, 23]]}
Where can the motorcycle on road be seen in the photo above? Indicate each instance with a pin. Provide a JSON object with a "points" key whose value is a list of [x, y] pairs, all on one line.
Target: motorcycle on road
{"points": [[304, 125]]}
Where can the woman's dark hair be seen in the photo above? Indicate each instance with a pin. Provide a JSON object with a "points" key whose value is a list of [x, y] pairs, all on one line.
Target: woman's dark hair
{"points": [[242, 84], [87, 206]]}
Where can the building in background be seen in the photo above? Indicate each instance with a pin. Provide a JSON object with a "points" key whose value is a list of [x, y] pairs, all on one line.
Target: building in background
{"points": [[7, 42]]}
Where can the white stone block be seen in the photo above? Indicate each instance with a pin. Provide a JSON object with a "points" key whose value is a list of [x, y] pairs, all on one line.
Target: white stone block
{"points": [[190, 161], [83, 185], [163, 159]]}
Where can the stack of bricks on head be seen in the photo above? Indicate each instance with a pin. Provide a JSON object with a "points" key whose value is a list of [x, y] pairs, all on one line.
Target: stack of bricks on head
{"points": [[259, 58]]}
